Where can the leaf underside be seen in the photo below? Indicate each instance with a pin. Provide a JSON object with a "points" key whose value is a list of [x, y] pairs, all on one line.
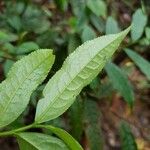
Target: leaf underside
{"points": [[78, 70], [22, 80]]}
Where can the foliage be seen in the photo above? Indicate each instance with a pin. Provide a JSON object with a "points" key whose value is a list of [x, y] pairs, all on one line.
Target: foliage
{"points": [[22, 80], [61, 90], [76, 113], [128, 142], [63, 25], [120, 83], [93, 130], [138, 26], [77, 71], [34, 141], [143, 64]]}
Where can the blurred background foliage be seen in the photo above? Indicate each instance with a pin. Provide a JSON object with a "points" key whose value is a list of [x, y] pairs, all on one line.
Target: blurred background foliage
{"points": [[113, 111]]}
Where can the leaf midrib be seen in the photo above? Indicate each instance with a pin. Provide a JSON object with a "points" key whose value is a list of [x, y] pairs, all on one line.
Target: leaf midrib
{"points": [[29, 142], [46, 110], [13, 95]]}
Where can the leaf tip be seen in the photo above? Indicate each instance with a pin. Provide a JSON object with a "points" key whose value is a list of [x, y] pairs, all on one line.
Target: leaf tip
{"points": [[127, 30]]}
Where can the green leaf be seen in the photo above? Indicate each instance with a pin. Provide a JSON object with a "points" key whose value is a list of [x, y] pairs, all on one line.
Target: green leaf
{"points": [[78, 7], [144, 42], [66, 137], [120, 82], [127, 138], [95, 83], [147, 32], [82, 21], [139, 21], [88, 34], [79, 69], [93, 129], [7, 65], [98, 7], [74, 42], [103, 89], [47, 38], [143, 6], [62, 4], [9, 47], [35, 20], [97, 22], [38, 141], [143, 64], [26, 47], [76, 118], [22, 80], [7, 37], [15, 22], [111, 26]]}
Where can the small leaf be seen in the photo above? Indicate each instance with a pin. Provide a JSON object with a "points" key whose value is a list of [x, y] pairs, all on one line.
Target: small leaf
{"points": [[35, 20], [7, 65], [39, 141], [79, 69], [144, 42], [95, 83], [88, 34], [112, 26], [76, 118], [127, 138], [26, 47], [82, 22], [78, 7], [142, 63], [98, 7], [120, 82], [147, 32], [139, 21], [22, 80], [103, 90], [7, 37], [9, 47], [97, 22], [66, 137], [93, 129], [62, 4], [15, 22], [74, 42]]}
